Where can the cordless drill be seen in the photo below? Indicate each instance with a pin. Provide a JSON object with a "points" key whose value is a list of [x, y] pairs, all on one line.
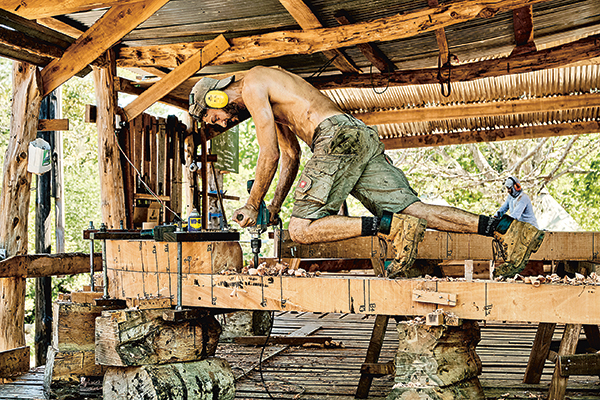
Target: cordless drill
{"points": [[262, 222]]}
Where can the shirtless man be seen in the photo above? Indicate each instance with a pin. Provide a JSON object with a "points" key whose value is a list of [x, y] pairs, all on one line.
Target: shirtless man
{"points": [[348, 158]]}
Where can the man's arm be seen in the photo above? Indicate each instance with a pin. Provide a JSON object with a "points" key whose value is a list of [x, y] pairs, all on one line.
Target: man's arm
{"points": [[257, 101], [290, 161], [502, 210]]}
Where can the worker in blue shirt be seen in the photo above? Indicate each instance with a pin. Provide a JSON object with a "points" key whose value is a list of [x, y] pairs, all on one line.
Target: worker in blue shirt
{"points": [[517, 203]]}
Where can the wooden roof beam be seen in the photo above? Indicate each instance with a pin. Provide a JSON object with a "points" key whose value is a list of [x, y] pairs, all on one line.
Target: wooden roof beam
{"points": [[553, 57], [308, 20], [33, 9], [475, 110], [494, 135], [370, 50], [108, 30], [523, 28], [276, 44], [176, 77]]}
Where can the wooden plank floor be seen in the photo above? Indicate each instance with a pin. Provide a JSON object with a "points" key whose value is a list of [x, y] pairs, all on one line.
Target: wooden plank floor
{"points": [[333, 373]]}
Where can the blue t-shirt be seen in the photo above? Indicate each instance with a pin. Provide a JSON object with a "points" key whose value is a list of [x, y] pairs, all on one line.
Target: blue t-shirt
{"points": [[519, 208]]}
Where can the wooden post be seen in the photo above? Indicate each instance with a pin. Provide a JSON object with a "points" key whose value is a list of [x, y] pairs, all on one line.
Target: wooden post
{"points": [[375, 345], [43, 285], [112, 195], [14, 198], [539, 352], [568, 344]]}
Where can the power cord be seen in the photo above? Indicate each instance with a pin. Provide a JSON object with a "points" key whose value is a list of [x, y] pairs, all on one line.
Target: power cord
{"points": [[262, 351]]}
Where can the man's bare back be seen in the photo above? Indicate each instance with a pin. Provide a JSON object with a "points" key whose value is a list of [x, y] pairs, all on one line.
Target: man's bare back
{"points": [[294, 103]]}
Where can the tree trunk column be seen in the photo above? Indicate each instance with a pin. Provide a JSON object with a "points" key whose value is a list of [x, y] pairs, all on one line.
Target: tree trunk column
{"points": [[437, 362], [14, 198], [112, 192]]}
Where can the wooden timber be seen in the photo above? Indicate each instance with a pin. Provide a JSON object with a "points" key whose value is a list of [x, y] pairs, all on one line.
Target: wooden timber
{"points": [[474, 110], [14, 198], [14, 362], [38, 265], [53, 125], [257, 47], [478, 300], [119, 20], [572, 246], [126, 338], [158, 263], [176, 77], [112, 191]]}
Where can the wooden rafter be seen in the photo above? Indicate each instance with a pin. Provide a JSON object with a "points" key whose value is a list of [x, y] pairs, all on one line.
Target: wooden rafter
{"points": [[176, 77], [370, 50], [523, 29], [260, 47], [131, 87], [493, 135], [110, 28], [488, 109], [554, 57], [308, 20], [34, 9]]}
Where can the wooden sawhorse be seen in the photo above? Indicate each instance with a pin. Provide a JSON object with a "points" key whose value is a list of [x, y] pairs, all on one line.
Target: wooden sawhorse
{"points": [[567, 362]]}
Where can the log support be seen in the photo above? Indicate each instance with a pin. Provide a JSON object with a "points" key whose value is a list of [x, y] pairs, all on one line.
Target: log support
{"points": [[112, 190], [437, 362], [14, 198]]}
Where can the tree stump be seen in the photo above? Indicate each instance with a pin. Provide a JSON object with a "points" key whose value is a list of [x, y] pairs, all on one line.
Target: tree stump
{"points": [[199, 380], [141, 337], [437, 362]]}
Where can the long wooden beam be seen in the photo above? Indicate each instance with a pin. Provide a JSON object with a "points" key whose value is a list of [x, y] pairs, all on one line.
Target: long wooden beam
{"points": [[478, 300], [492, 135], [569, 246], [277, 44], [39, 265], [475, 110], [110, 28], [176, 77], [34, 9], [553, 57]]}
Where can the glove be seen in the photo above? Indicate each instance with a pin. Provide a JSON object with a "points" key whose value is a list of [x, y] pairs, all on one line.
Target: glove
{"points": [[273, 214], [245, 216]]}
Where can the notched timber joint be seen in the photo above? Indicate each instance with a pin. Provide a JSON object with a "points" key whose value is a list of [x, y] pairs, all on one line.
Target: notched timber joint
{"points": [[428, 296]]}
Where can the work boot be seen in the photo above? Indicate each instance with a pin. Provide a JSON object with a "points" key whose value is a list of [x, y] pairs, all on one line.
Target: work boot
{"points": [[405, 234], [517, 243]]}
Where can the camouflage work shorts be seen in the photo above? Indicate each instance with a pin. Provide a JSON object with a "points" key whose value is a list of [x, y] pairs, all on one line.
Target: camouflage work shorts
{"points": [[348, 158]]}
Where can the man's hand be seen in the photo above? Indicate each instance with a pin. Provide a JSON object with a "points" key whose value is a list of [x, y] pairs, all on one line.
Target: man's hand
{"points": [[245, 216], [273, 214]]}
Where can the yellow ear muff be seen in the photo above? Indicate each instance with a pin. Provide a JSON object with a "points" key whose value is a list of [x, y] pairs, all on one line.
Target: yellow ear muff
{"points": [[216, 99]]}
